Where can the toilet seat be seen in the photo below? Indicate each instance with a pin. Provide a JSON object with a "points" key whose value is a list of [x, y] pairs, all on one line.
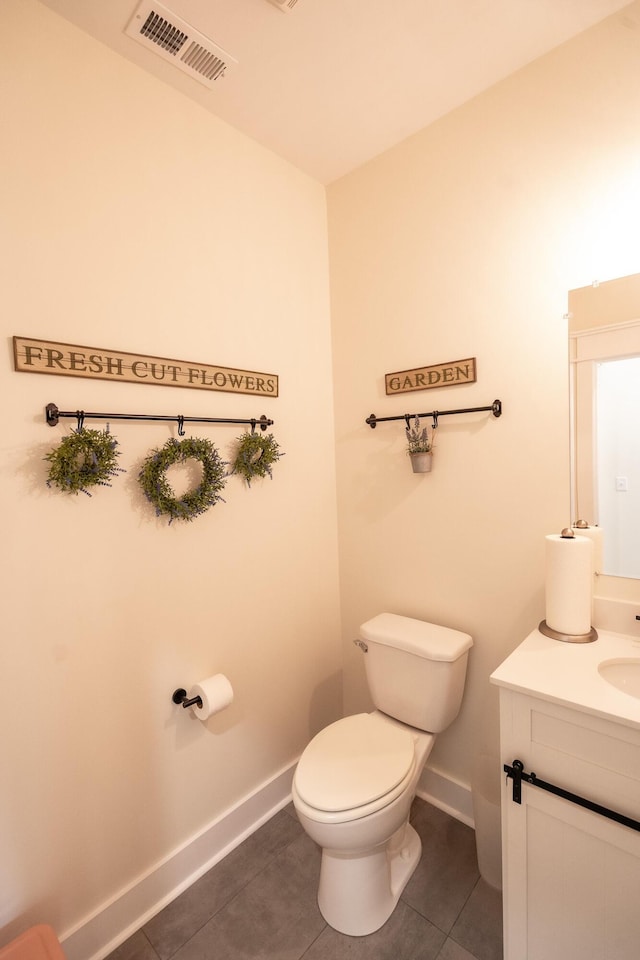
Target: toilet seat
{"points": [[354, 767]]}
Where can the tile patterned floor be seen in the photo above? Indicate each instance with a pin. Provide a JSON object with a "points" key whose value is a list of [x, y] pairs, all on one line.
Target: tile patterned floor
{"points": [[259, 903]]}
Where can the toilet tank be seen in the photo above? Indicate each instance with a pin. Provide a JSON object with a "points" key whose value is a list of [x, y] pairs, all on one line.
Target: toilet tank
{"points": [[415, 670]]}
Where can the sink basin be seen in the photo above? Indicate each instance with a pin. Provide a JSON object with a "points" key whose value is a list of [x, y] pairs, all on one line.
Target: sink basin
{"points": [[623, 673]]}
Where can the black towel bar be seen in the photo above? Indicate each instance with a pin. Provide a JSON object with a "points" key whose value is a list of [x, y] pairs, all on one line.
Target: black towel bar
{"points": [[495, 408], [52, 415]]}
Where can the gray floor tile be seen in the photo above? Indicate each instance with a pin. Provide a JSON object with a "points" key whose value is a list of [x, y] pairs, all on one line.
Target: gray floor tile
{"points": [[274, 917], [180, 920], [453, 951], [405, 936], [479, 926], [136, 947], [448, 869], [291, 810]]}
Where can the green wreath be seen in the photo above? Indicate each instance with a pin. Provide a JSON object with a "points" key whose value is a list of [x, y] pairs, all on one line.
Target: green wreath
{"points": [[86, 458], [157, 489], [255, 455]]}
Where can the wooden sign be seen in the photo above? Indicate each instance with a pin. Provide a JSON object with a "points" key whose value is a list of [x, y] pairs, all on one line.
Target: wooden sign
{"points": [[425, 378], [95, 363]]}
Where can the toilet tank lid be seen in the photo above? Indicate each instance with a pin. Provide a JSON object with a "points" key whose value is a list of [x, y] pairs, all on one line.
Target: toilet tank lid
{"points": [[423, 639]]}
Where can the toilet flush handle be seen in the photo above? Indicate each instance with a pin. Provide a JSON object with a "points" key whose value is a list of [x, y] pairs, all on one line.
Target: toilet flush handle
{"points": [[362, 645]]}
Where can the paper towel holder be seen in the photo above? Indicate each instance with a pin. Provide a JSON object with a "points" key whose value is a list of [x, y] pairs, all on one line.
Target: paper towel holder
{"points": [[548, 631], [180, 696]]}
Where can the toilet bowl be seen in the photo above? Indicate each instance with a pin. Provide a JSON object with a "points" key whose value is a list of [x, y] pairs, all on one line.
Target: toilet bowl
{"points": [[353, 791], [356, 780]]}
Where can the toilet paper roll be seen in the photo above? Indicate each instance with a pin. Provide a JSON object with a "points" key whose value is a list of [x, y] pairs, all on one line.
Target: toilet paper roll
{"points": [[215, 692], [569, 584]]}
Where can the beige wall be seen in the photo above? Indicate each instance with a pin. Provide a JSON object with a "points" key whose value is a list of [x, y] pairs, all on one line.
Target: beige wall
{"points": [[131, 219], [463, 241]]}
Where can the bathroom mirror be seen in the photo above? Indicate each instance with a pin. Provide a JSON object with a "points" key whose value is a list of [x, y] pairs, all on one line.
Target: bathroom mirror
{"points": [[604, 351]]}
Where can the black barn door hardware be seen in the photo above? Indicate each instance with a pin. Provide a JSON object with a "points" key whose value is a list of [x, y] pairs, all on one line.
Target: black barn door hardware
{"points": [[517, 773]]}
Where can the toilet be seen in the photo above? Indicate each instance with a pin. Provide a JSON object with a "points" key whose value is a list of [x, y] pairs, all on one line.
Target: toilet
{"points": [[356, 780]]}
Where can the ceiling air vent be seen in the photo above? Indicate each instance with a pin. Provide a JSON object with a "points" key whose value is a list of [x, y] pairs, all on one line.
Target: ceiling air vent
{"points": [[175, 40], [285, 5]]}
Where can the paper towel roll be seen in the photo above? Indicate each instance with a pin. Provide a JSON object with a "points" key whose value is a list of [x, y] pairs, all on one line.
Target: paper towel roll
{"points": [[215, 692], [569, 584]]}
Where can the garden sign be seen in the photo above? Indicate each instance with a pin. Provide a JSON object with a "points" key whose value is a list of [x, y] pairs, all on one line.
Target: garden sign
{"points": [[425, 378]]}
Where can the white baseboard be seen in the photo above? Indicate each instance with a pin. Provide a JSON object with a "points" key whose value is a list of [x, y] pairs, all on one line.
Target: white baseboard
{"points": [[95, 936], [446, 793]]}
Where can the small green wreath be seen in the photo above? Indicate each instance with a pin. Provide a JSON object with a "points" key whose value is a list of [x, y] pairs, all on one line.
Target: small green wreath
{"points": [[86, 458], [255, 455], [157, 489]]}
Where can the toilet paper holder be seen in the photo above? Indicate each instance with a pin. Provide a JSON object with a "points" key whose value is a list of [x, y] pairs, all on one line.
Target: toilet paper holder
{"points": [[180, 696]]}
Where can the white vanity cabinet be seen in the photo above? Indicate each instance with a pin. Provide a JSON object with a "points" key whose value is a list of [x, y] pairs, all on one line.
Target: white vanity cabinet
{"points": [[571, 876]]}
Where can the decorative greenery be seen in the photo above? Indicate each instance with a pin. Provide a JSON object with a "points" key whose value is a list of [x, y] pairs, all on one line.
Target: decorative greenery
{"points": [[418, 440], [86, 458], [255, 455], [158, 491]]}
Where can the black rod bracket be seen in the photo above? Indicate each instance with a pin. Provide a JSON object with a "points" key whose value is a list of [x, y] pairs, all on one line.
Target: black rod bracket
{"points": [[495, 408], [52, 414], [515, 772]]}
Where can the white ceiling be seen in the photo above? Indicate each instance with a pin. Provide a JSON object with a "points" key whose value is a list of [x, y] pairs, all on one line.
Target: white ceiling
{"points": [[336, 82]]}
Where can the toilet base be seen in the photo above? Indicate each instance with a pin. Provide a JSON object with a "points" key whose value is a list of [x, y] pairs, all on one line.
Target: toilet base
{"points": [[359, 892]]}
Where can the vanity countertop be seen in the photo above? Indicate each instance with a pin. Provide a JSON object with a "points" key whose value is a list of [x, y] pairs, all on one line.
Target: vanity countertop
{"points": [[567, 673]]}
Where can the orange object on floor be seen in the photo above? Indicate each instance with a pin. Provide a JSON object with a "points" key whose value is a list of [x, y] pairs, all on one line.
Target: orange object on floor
{"points": [[36, 943]]}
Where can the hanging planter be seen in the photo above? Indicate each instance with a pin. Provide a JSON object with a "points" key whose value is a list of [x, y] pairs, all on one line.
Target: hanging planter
{"points": [[421, 462], [86, 458], [255, 455], [420, 446], [157, 488]]}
